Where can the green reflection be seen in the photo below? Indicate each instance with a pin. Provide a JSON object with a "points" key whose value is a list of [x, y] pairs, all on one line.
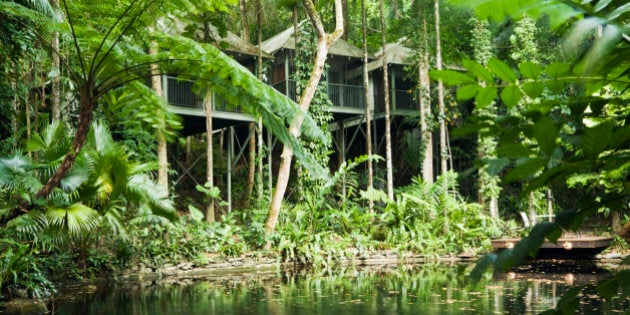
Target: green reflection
{"points": [[418, 289]]}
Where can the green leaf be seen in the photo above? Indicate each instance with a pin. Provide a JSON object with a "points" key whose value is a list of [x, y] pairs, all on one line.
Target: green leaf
{"points": [[528, 167], [608, 288], [596, 139], [569, 219], [467, 92], [546, 132], [554, 234], [570, 301], [601, 5], [511, 95], [530, 70], [514, 150], [502, 70], [486, 96], [619, 11], [478, 70], [557, 69], [623, 277], [533, 89], [450, 77], [481, 266]]}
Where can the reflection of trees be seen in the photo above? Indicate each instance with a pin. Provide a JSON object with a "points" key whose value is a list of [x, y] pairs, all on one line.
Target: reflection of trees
{"points": [[427, 289]]}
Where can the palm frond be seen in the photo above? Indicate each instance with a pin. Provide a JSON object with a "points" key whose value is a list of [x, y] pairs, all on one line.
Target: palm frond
{"points": [[75, 219]]}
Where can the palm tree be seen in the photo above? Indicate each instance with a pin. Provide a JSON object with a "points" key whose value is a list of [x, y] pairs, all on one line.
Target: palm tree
{"points": [[104, 188], [109, 51]]}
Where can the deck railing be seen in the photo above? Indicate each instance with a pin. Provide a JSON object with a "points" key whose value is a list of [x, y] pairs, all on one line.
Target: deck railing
{"points": [[401, 100], [180, 93], [341, 95]]}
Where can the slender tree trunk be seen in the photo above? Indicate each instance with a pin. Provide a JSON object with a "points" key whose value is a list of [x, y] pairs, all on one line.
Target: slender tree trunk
{"points": [[251, 170], [242, 5], [488, 184], [259, 63], [531, 204], [162, 154], [388, 136], [87, 105], [207, 106], [251, 165], [396, 7], [424, 93], [368, 109], [55, 98], [344, 10], [324, 41], [441, 107]]}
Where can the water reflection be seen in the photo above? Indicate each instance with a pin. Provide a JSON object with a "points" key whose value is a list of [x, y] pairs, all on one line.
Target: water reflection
{"points": [[418, 289]]}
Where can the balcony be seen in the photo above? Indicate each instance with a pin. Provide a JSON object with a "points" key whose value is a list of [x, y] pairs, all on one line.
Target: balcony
{"points": [[180, 93], [401, 100], [343, 96]]}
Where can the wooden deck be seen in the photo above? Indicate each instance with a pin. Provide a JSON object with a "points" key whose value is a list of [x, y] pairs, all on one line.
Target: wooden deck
{"points": [[566, 247]]}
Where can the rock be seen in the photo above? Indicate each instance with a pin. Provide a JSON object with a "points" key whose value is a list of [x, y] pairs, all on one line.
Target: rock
{"points": [[25, 306], [612, 256]]}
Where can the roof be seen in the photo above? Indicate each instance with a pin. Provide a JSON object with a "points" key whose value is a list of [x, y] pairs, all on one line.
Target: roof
{"points": [[286, 40], [233, 43], [396, 53]]}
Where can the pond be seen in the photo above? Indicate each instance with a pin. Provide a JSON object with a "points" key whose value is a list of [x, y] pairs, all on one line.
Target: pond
{"points": [[435, 288]]}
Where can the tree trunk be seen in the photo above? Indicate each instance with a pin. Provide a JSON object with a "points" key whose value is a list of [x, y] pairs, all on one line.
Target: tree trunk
{"points": [[424, 93], [259, 72], [251, 170], [368, 109], [251, 165], [488, 184], [55, 97], [162, 155], [396, 7], [87, 105], [324, 41], [344, 10], [207, 106], [242, 5], [441, 108], [388, 136]]}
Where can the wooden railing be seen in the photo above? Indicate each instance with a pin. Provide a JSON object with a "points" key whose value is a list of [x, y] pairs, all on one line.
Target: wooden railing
{"points": [[341, 95]]}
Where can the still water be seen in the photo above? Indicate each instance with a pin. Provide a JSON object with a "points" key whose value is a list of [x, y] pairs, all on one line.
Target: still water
{"points": [[408, 289]]}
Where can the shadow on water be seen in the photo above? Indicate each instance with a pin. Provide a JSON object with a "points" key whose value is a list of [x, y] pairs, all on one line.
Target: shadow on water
{"points": [[405, 289]]}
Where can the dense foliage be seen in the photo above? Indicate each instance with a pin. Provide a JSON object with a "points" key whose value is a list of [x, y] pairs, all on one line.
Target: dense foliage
{"points": [[548, 81]]}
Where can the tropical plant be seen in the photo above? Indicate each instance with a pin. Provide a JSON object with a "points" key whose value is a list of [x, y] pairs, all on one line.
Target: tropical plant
{"points": [[108, 52], [104, 188], [592, 153], [417, 221]]}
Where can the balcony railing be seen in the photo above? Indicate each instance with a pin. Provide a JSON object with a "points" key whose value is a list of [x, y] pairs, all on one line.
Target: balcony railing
{"points": [[341, 95], [180, 93], [402, 100]]}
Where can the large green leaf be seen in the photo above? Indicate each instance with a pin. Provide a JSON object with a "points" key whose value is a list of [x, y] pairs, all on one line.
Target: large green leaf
{"points": [[511, 95], [467, 92], [530, 70], [546, 133], [502, 70], [478, 70], [486, 96], [451, 77], [595, 139], [533, 89]]}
